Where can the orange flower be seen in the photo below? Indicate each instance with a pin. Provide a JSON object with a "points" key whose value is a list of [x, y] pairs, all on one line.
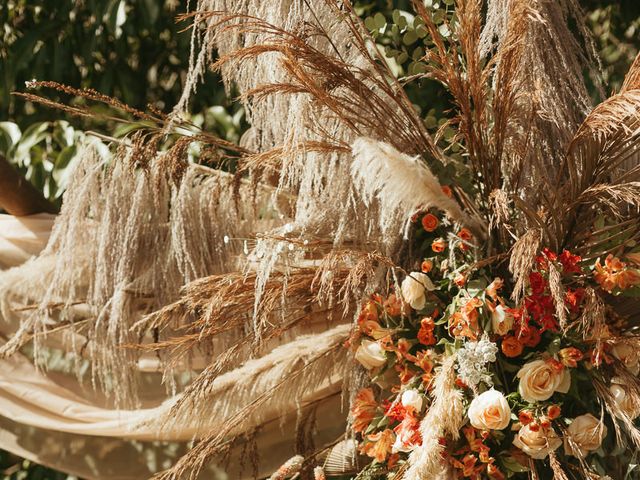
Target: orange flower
{"points": [[379, 445], [465, 322], [570, 356], [615, 274], [494, 472], [529, 337], [446, 189], [425, 334], [465, 234], [393, 305], [363, 409], [511, 346], [438, 245], [430, 222], [426, 266]]}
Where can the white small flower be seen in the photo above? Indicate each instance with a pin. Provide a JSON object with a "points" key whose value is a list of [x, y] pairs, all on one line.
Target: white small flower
{"points": [[412, 398], [414, 289], [472, 360], [370, 354]]}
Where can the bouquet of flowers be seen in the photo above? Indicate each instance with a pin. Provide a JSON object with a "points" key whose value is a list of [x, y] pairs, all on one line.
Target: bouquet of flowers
{"points": [[489, 381]]}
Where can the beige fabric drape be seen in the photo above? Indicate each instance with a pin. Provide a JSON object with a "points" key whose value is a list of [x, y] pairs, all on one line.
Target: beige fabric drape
{"points": [[53, 419]]}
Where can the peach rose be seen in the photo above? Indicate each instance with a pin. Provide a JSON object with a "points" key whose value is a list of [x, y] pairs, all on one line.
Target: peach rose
{"points": [[628, 355], [586, 433], [623, 400], [537, 443], [414, 289], [489, 411], [539, 380], [370, 354]]}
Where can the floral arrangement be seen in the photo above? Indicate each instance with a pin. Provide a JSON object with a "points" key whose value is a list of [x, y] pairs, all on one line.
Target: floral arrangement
{"points": [[526, 372]]}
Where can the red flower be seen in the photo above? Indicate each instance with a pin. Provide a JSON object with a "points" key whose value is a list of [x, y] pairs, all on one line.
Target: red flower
{"points": [[537, 282], [570, 262]]}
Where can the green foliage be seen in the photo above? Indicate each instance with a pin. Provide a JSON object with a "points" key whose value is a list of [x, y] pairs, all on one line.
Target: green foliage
{"points": [[132, 50], [43, 152]]}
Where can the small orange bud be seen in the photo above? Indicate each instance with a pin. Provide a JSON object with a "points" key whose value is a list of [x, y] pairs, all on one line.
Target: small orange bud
{"points": [[465, 234], [460, 280], [534, 427], [525, 417], [446, 189], [438, 245], [426, 266], [570, 356], [553, 412]]}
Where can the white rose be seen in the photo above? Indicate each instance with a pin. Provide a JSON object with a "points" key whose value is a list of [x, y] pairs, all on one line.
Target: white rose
{"points": [[628, 355], [539, 380], [586, 433], [501, 320], [623, 400], [414, 288], [537, 444], [370, 354], [490, 411], [411, 398]]}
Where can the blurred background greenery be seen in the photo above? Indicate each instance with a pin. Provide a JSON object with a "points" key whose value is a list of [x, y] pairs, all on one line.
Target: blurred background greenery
{"points": [[135, 50]]}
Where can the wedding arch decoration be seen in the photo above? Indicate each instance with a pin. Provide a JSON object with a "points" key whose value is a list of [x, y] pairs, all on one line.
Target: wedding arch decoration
{"points": [[341, 296]]}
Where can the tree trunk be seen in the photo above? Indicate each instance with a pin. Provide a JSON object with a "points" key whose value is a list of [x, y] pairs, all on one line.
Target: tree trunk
{"points": [[17, 196]]}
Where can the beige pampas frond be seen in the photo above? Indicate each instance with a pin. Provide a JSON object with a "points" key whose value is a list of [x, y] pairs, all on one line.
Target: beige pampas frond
{"points": [[443, 419], [265, 388], [522, 260], [401, 184]]}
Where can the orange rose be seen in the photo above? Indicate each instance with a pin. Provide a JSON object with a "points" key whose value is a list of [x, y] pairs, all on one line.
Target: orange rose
{"points": [[426, 266], [511, 346], [465, 234], [430, 222], [438, 245]]}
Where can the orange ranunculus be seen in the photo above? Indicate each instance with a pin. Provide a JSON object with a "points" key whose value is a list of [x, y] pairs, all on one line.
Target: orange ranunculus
{"points": [[363, 409], [511, 346], [379, 445], [446, 189], [430, 222], [426, 266], [570, 356], [438, 245]]}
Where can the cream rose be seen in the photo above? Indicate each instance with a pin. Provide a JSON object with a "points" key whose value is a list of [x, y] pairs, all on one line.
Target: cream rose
{"points": [[490, 411], [627, 355], [586, 433], [539, 380], [623, 399], [501, 320], [411, 398], [370, 354], [414, 288], [537, 444]]}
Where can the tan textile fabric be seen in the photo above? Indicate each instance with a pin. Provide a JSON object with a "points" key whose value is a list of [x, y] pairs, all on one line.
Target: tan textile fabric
{"points": [[54, 419], [22, 237]]}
